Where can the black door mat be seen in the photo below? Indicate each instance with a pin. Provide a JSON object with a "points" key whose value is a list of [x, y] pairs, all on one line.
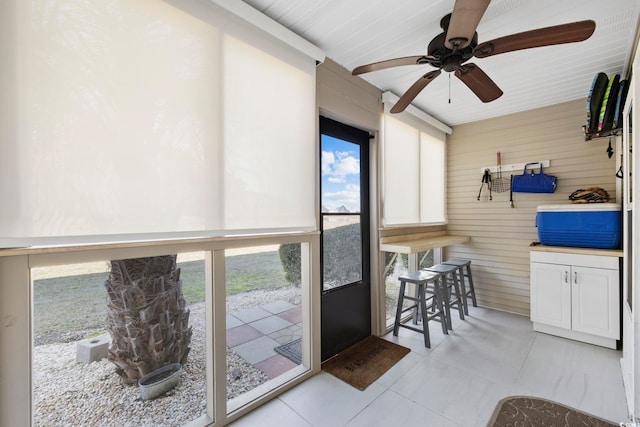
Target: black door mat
{"points": [[291, 350]]}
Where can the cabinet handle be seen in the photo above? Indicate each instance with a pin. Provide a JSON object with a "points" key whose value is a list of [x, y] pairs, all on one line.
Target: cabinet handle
{"points": [[566, 277], [575, 277]]}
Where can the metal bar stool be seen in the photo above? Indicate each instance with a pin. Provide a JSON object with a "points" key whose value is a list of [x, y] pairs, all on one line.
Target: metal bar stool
{"points": [[450, 281], [428, 302], [464, 271]]}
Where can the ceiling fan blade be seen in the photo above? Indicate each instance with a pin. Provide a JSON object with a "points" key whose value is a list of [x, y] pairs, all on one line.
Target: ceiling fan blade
{"points": [[465, 18], [414, 90], [479, 82], [407, 60], [559, 34]]}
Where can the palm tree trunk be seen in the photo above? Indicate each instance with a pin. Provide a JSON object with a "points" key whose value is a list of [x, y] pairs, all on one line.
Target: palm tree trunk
{"points": [[147, 319]]}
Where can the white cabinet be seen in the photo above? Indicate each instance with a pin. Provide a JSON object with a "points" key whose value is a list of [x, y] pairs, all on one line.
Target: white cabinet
{"points": [[576, 296], [550, 294]]}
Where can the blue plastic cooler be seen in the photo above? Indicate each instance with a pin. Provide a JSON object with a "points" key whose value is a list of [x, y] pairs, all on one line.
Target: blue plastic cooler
{"points": [[583, 225]]}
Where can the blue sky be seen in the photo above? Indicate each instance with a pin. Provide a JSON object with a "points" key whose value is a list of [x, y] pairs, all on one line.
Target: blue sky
{"points": [[340, 174]]}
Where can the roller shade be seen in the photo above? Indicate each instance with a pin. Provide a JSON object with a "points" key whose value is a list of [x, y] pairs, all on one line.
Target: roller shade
{"points": [[414, 170], [140, 119]]}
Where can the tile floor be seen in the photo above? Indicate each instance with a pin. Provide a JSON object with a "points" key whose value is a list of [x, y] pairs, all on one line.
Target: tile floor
{"points": [[489, 356], [253, 333]]}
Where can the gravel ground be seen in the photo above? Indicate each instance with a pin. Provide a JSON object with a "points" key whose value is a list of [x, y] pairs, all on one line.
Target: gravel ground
{"points": [[67, 393]]}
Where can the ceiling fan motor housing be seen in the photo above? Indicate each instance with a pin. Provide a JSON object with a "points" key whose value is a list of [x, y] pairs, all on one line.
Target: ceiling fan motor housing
{"points": [[447, 59]]}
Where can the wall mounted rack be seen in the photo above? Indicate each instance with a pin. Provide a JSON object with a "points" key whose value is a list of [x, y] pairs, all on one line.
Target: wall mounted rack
{"points": [[603, 134], [515, 166]]}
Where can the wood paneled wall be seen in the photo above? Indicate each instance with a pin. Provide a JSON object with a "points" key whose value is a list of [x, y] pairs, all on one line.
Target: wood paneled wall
{"points": [[500, 235]]}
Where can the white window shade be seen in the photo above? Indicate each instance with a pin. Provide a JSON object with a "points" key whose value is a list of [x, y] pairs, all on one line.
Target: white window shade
{"points": [[134, 118], [414, 170], [433, 162], [269, 134], [401, 157]]}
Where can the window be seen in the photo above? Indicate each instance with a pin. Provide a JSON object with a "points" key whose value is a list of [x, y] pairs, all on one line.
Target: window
{"points": [[82, 331], [414, 170], [342, 242], [264, 322], [77, 303]]}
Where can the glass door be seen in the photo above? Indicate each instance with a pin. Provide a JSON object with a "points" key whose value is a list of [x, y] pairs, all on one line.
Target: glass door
{"points": [[346, 294]]}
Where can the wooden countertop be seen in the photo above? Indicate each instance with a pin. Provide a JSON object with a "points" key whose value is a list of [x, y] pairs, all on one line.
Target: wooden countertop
{"points": [[536, 246], [414, 243]]}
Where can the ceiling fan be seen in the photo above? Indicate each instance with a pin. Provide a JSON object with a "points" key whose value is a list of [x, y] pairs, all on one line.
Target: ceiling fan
{"points": [[458, 43]]}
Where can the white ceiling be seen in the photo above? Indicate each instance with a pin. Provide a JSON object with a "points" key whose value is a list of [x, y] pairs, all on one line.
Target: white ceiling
{"points": [[357, 32]]}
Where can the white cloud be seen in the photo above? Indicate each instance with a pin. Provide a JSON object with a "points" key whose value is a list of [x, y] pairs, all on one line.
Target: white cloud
{"points": [[337, 166], [347, 166], [328, 161]]}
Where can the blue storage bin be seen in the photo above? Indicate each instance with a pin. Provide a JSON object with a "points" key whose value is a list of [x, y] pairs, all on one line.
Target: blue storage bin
{"points": [[583, 225]]}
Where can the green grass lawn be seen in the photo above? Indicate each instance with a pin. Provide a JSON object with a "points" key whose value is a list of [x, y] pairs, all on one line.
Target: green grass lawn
{"points": [[63, 305], [66, 307]]}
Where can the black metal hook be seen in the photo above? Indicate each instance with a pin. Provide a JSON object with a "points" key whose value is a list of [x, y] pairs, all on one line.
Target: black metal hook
{"points": [[486, 179], [620, 173]]}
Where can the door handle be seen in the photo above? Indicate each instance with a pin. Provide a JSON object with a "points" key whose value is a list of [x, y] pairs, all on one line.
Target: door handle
{"points": [[575, 277], [566, 276]]}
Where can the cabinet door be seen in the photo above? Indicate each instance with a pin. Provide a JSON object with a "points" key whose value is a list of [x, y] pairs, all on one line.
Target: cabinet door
{"points": [[551, 294], [595, 301]]}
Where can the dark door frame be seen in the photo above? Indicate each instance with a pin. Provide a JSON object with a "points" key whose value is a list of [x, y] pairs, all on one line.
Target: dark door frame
{"points": [[346, 310]]}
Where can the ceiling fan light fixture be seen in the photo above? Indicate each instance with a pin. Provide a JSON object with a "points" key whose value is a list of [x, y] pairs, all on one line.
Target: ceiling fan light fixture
{"points": [[451, 63]]}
